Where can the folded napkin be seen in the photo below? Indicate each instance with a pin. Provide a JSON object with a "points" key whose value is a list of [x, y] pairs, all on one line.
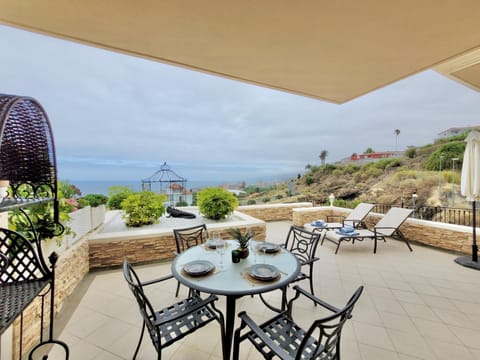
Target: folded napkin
{"points": [[347, 230], [318, 223]]}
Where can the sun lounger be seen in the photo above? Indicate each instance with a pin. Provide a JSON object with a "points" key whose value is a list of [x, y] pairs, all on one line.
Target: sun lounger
{"points": [[388, 226]]}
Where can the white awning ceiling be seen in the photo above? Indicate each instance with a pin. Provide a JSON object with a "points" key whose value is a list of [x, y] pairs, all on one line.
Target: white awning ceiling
{"points": [[330, 50]]}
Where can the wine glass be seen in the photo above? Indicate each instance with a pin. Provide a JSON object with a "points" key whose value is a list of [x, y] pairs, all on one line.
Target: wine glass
{"points": [[253, 250], [220, 248]]}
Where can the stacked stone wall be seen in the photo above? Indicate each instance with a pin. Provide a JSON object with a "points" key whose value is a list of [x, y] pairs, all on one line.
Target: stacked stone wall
{"points": [[440, 235], [273, 212]]}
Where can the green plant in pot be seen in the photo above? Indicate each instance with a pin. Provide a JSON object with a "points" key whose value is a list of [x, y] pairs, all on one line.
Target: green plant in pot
{"points": [[216, 203], [243, 238]]}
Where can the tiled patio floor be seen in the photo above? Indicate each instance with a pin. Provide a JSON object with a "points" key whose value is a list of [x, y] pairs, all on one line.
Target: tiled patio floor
{"points": [[416, 305]]}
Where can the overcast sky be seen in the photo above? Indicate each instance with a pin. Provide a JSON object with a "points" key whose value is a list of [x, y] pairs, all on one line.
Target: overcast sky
{"points": [[117, 117]]}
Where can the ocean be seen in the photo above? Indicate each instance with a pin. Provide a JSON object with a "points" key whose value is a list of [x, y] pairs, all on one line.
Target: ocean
{"points": [[101, 186]]}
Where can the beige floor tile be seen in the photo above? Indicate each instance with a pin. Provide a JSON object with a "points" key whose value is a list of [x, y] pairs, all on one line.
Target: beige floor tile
{"points": [[435, 330], [373, 335], [416, 305], [411, 344], [419, 311], [469, 337], [446, 350], [398, 322], [375, 353], [389, 305]]}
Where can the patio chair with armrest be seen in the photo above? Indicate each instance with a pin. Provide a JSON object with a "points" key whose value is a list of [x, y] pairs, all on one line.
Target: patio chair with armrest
{"points": [[282, 337], [303, 244], [174, 322], [188, 237], [388, 226]]}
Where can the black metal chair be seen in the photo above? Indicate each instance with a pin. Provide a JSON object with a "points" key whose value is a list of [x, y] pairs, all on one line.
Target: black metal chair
{"points": [[188, 237], [282, 337], [174, 322], [303, 244]]}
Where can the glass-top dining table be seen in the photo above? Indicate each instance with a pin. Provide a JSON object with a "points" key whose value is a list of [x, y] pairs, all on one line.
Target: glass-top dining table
{"points": [[200, 268]]}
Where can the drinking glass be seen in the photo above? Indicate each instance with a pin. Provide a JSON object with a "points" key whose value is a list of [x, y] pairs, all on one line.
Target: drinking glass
{"points": [[253, 250], [220, 248]]}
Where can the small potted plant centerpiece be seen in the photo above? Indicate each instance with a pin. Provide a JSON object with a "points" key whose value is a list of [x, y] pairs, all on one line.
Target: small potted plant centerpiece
{"points": [[243, 238]]}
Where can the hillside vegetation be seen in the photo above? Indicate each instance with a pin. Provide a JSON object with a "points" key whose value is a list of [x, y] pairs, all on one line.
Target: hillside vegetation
{"points": [[425, 171]]}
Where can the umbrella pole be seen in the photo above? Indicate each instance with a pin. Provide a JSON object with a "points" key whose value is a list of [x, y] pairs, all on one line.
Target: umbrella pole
{"points": [[474, 243], [466, 260]]}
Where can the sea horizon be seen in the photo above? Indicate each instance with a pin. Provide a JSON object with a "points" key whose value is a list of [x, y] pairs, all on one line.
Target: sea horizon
{"points": [[102, 186]]}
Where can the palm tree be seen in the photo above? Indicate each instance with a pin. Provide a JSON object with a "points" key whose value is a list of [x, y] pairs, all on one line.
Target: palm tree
{"points": [[396, 132], [323, 155]]}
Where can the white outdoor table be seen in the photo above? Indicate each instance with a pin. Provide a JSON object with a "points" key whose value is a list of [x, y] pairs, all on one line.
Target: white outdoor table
{"points": [[230, 280]]}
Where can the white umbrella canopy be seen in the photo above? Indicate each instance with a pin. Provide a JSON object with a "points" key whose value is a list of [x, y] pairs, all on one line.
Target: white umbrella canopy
{"points": [[470, 188], [470, 182]]}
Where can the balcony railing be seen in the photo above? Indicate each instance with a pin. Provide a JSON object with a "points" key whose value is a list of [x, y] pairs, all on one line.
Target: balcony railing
{"points": [[459, 216], [449, 215]]}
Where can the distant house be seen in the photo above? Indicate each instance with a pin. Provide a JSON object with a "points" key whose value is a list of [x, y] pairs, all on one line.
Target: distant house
{"points": [[456, 131], [375, 156]]}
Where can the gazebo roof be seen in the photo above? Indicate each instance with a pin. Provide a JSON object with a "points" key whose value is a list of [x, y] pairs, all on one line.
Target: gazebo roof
{"points": [[165, 174]]}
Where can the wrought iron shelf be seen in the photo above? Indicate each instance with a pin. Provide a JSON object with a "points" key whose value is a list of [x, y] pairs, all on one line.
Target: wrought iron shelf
{"points": [[12, 204]]}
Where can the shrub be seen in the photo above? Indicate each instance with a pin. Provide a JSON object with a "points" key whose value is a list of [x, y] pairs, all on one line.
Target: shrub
{"points": [[279, 196], [216, 203], [266, 199], [411, 152], [143, 208], [94, 200], [251, 202], [116, 196], [309, 180]]}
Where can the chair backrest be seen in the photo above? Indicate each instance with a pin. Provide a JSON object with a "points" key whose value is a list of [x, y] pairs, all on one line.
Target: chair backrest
{"points": [[327, 331], [191, 236], [20, 261], [360, 212], [302, 243], [392, 220], [145, 307]]}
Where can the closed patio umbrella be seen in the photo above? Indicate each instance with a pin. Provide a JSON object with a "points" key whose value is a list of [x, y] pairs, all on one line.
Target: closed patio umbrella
{"points": [[470, 188]]}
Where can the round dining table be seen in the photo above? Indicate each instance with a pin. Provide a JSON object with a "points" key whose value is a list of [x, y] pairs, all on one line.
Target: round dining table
{"points": [[234, 280]]}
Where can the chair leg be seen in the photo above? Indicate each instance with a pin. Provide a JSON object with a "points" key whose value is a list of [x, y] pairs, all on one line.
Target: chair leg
{"points": [[311, 282], [178, 289], [338, 245], [139, 341]]}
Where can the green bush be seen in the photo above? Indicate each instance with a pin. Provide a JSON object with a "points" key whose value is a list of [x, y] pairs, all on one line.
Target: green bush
{"points": [[411, 152], [445, 155], [279, 196], [116, 195], [216, 203], [309, 180], [251, 202], [94, 200], [143, 208], [266, 199]]}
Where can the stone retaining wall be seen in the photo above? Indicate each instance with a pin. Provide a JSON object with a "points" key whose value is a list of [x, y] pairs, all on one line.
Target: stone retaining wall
{"points": [[273, 212], [440, 235], [109, 250], [71, 268]]}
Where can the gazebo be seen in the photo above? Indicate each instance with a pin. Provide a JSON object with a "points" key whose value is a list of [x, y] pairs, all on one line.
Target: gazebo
{"points": [[168, 182]]}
